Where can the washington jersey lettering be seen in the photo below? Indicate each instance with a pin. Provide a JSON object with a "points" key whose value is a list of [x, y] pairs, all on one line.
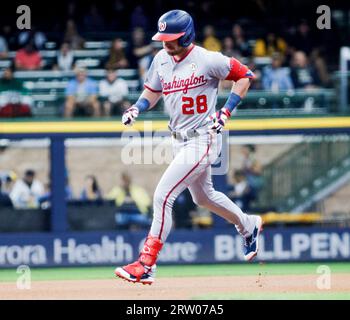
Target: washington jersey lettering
{"points": [[190, 85]]}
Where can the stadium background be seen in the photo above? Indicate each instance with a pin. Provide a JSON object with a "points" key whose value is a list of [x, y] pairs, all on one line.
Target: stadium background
{"points": [[297, 135]]}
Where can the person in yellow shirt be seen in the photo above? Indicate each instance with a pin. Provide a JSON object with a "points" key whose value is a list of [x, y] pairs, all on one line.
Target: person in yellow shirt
{"points": [[270, 45], [133, 203], [211, 42]]}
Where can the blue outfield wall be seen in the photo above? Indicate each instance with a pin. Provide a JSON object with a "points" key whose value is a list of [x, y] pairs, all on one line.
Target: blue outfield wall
{"points": [[182, 247]]}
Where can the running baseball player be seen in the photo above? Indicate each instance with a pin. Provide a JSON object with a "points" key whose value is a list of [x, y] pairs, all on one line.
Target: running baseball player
{"points": [[187, 77]]}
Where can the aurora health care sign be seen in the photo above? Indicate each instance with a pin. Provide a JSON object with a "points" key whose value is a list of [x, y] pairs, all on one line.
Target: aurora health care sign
{"points": [[182, 247]]}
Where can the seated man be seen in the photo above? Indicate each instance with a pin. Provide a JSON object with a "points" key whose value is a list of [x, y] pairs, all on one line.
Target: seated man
{"points": [[133, 204], [14, 98], [113, 91], [81, 95], [276, 78], [28, 58], [27, 191], [303, 75]]}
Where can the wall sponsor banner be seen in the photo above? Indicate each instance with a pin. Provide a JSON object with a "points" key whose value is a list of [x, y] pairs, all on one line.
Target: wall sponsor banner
{"points": [[182, 247]]}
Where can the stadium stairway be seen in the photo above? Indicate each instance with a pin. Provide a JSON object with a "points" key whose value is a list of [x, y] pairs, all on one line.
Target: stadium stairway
{"points": [[306, 174]]}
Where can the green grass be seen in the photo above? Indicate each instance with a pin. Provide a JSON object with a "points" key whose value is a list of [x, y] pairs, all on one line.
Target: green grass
{"points": [[83, 273]]}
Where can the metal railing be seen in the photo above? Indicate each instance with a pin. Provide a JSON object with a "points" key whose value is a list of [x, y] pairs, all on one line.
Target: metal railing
{"points": [[50, 96], [301, 168]]}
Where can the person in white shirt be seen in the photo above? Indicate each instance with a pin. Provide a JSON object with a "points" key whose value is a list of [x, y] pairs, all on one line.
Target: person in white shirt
{"points": [[65, 58], [114, 90], [26, 191]]}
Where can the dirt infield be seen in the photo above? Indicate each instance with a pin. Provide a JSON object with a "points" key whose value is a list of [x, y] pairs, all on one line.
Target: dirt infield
{"points": [[230, 287]]}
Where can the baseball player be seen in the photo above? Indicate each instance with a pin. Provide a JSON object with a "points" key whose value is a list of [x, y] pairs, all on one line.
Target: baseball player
{"points": [[187, 77]]}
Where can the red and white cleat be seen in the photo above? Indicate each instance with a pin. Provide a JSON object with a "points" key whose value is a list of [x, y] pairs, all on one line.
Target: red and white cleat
{"points": [[137, 272]]}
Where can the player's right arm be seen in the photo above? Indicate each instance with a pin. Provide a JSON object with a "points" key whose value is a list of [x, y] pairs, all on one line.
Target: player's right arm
{"points": [[147, 100], [149, 97]]}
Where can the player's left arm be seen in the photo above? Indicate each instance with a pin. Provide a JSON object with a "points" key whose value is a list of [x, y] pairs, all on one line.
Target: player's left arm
{"points": [[242, 77], [241, 87]]}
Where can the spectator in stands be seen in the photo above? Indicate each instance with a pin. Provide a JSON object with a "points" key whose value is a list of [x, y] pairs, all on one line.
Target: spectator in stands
{"points": [[8, 82], [228, 48], [8, 179], [28, 58], [5, 200], [252, 169], [303, 75], [114, 91], [145, 62], [39, 39], [91, 190], [27, 191], [133, 203], [3, 48], [65, 58], [93, 21], [138, 47], [117, 58], [268, 46], [72, 36], [239, 39], [14, 98], [211, 42], [241, 192], [319, 64], [81, 95], [276, 78]]}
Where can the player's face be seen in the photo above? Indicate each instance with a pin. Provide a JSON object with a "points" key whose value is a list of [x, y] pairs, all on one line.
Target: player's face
{"points": [[173, 48]]}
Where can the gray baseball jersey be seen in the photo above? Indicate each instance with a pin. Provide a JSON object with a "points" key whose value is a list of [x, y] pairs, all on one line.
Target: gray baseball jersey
{"points": [[190, 85]]}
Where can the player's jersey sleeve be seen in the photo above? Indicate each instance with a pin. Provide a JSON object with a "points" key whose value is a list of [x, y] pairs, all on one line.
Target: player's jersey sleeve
{"points": [[225, 68], [152, 81]]}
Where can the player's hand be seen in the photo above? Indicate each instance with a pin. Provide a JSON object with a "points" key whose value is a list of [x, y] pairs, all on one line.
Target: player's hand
{"points": [[218, 119], [130, 115]]}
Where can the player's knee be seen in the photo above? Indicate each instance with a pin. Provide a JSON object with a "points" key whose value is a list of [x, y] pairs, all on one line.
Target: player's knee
{"points": [[158, 198], [202, 201]]}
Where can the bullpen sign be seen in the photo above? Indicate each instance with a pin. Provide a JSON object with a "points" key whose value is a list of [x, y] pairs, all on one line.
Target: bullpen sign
{"points": [[182, 247]]}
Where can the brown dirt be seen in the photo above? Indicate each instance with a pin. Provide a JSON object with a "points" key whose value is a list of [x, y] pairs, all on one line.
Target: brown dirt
{"points": [[171, 288]]}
